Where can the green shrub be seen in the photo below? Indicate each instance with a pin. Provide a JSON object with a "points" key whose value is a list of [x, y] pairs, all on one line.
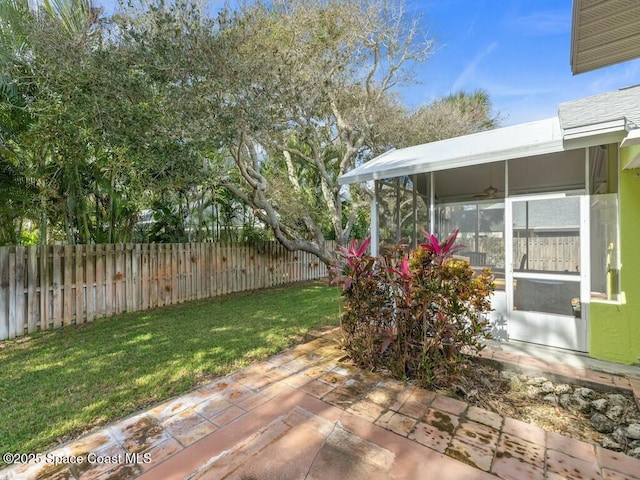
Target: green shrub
{"points": [[415, 312]]}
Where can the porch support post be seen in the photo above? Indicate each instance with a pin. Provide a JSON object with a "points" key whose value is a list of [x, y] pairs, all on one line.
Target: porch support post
{"points": [[585, 250], [374, 233], [508, 244], [414, 240], [397, 219], [432, 201]]}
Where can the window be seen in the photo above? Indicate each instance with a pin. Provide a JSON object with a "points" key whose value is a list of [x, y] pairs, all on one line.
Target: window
{"points": [[481, 233], [605, 267], [604, 219]]}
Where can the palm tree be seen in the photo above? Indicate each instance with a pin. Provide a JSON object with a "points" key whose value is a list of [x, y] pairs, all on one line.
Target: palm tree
{"points": [[77, 17], [457, 114], [25, 158]]}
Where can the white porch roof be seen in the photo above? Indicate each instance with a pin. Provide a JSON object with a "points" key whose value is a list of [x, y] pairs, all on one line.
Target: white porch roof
{"points": [[606, 118], [518, 141]]}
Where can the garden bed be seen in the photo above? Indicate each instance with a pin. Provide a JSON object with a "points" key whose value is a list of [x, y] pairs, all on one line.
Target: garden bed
{"points": [[607, 418]]}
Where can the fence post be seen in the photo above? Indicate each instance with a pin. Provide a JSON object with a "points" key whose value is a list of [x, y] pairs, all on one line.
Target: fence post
{"points": [[19, 320], [5, 292], [90, 305], [44, 287], [56, 285], [79, 258], [100, 281], [109, 276], [67, 292], [132, 265], [32, 275]]}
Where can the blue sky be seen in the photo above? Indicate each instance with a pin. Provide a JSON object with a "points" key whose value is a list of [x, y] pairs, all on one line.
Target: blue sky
{"points": [[516, 50]]}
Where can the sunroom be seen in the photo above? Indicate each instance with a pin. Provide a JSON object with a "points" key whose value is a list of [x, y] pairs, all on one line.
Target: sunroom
{"points": [[537, 203]]}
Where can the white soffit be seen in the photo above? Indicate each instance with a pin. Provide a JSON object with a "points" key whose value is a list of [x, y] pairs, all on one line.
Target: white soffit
{"points": [[524, 140], [632, 138], [603, 33]]}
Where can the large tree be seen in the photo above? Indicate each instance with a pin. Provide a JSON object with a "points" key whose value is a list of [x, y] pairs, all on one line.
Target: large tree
{"points": [[107, 128], [163, 105], [309, 87]]}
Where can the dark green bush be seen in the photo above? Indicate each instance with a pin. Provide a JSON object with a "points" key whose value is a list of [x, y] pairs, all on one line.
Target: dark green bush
{"points": [[415, 312]]}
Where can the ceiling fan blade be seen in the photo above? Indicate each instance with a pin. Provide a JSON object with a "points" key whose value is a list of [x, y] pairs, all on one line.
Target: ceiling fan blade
{"points": [[491, 191]]}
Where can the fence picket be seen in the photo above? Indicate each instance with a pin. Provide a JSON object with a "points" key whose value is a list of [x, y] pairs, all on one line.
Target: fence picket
{"points": [[110, 276], [120, 278], [178, 279], [250, 267], [161, 267], [90, 305], [67, 292], [56, 286], [44, 287], [195, 272], [202, 282], [128, 277], [245, 265], [169, 273], [79, 283], [19, 318], [144, 277], [32, 282], [5, 290], [134, 256], [233, 266], [153, 275], [176, 251], [100, 281], [156, 276], [237, 263], [224, 278], [166, 274], [209, 269], [12, 297], [216, 269], [194, 259], [188, 263], [260, 265]]}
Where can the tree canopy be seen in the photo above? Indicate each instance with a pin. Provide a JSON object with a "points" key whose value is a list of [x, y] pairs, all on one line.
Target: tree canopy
{"points": [[250, 115]]}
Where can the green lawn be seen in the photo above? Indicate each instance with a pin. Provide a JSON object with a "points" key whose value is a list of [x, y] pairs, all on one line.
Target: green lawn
{"points": [[59, 384]]}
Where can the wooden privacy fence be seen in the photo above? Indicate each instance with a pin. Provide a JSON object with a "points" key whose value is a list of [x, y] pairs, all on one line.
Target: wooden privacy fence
{"points": [[45, 287], [551, 253]]}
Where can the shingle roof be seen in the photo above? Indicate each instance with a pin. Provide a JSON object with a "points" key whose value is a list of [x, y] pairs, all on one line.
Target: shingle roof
{"points": [[623, 103]]}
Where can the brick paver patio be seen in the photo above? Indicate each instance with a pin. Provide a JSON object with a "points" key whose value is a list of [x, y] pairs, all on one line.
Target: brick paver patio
{"points": [[308, 414]]}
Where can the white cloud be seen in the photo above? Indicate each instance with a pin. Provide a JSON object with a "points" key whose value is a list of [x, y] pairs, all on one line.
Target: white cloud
{"points": [[526, 110], [502, 90], [471, 28], [616, 76], [541, 23], [470, 69]]}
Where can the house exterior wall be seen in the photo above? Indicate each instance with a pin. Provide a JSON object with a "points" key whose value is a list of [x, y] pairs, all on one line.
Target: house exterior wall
{"points": [[614, 329]]}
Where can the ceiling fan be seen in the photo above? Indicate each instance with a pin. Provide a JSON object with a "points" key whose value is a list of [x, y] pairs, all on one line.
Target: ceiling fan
{"points": [[490, 192]]}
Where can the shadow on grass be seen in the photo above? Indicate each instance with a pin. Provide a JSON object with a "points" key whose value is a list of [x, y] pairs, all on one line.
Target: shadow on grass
{"points": [[58, 384]]}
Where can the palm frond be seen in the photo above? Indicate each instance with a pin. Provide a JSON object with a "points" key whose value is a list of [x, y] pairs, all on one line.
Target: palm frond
{"points": [[75, 16]]}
